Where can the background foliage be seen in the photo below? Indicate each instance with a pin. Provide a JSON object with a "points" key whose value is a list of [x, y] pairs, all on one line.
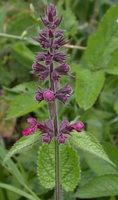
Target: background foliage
{"points": [[91, 24]]}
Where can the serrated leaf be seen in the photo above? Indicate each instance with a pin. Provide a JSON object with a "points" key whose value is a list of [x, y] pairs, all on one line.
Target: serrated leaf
{"points": [[69, 166], [46, 169], [101, 186], [101, 45], [21, 105], [70, 170], [112, 66], [88, 87], [87, 142], [21, 144]]}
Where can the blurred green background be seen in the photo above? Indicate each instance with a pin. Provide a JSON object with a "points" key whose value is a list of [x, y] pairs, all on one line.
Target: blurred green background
{"points": [[94, 78]]}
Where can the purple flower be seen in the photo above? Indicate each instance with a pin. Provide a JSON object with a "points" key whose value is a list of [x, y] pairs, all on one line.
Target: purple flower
{"points": [[37, 68], [63, 93], [78, 126], [48, 58], [46, 138], [58, 43], [47, 131], [40, 56], [51, 20], [61, 139], [59, 57], [44, 74], [66, 128], [62, 69], [33, 127], [59, 33], [48, 95], [39, 94], [51, 13], [43, 40], [55, 76], [40, 70]]}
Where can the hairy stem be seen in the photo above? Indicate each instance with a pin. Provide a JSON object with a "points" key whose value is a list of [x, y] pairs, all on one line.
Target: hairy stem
{"points": [[57, 167], [54, 116]]}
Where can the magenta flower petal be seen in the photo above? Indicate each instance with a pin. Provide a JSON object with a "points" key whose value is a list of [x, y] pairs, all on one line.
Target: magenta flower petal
{"points": [[26, 132], [78, 126]]}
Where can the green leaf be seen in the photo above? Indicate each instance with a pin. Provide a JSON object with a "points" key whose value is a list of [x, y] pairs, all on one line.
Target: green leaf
{"points": [[109, 93], [112, 66], [88, 87], [116, 106], [46, 169], [101, 45], [21, 105], [3, 12], [14, 170], [69, 166], [17, 191], [21, 144], [23, 54], [27, 87], [100, 166], [12, 167], [87, 142], [70, 170], [101, 186], [112, 152]]}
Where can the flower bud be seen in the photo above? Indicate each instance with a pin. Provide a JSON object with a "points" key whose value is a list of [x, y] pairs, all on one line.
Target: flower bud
{"points": [[38, 67], [61, 139], [62, 98], [55, 76], [65, 90], [58, 43], [40, 56], [51, 13], [39, 95], [60, 57], [44, 75], [48, 58], [48, 95], [62, 69], [46, 138]]}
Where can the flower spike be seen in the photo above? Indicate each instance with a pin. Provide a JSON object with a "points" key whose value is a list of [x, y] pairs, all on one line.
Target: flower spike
{"points": [[51, 39]]}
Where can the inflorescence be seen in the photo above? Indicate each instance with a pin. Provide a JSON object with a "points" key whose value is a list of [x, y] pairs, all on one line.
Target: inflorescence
{"points": [[51, 40]]}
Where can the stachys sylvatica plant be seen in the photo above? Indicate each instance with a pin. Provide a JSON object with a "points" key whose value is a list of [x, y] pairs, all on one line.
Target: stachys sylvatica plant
{"points": [[51, 64], [56, 143], [51, 40]]}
